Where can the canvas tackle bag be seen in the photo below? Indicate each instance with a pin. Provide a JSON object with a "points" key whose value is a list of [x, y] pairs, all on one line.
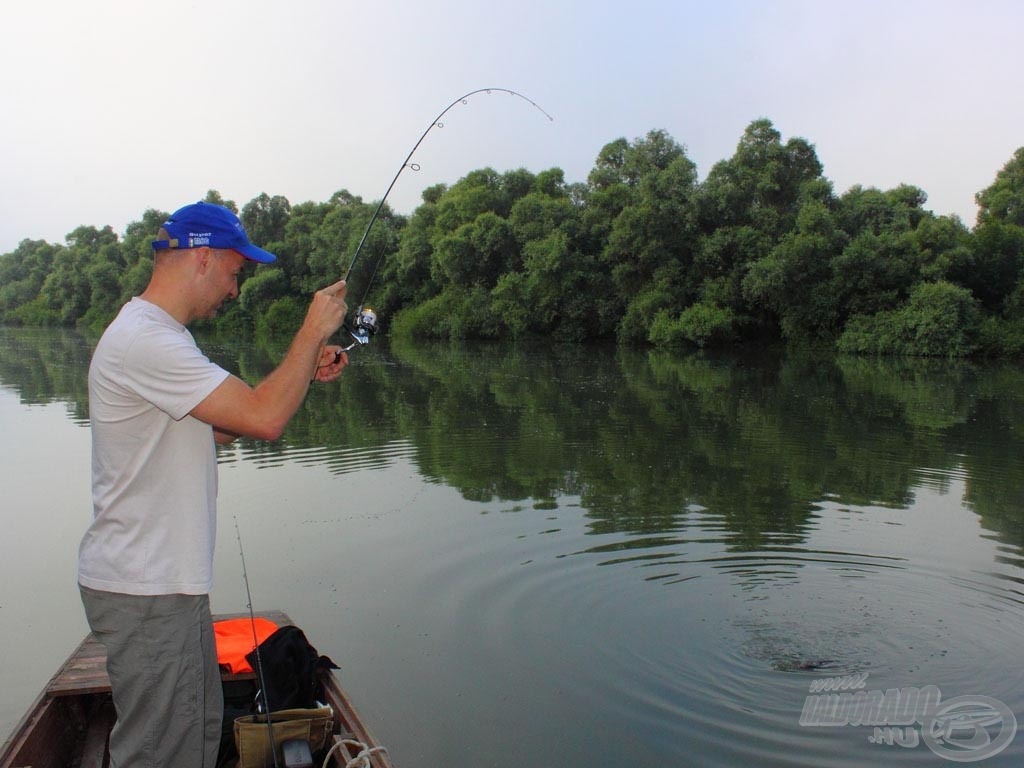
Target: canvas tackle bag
{"points": [[290, 672], [252, 737]]}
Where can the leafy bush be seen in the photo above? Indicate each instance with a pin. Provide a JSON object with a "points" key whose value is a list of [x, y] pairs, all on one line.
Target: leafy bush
{"points": [[35, 312], [938, 320], [1001, 337], [283, 317], [878, 334], [509, 302], [944, 318], [261, 289], [642, 313], [453, 314], [702, 324]]}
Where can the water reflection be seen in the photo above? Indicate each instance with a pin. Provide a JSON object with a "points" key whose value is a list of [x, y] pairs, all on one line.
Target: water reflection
{"points": [[46, 365], [646, 441]]}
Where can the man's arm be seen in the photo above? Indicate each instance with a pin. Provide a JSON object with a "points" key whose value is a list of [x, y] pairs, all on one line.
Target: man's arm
{"points": [[223, 438], [235, 408]]}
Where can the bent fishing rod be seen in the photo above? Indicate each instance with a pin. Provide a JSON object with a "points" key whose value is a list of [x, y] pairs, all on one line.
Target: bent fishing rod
{"points": [[365, 322]]}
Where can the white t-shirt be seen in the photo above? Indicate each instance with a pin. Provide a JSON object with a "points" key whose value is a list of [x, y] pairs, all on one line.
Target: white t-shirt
{"points": [[154, 467]]}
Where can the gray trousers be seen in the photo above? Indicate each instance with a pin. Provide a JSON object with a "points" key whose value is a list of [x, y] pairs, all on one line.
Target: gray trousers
{"points": [[162, 663]]}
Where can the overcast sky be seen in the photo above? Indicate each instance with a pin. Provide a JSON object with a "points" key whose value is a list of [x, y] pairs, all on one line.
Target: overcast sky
{"points": [[111, 107]]}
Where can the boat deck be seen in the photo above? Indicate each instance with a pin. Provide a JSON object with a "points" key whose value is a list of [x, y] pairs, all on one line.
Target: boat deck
{"points": [[85, 671]]}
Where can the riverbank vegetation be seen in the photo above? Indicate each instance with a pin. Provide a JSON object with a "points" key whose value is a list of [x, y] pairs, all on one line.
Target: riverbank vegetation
{"points": [[761, 250]]}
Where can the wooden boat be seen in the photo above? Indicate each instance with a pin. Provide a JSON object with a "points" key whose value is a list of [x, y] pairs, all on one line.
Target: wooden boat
{"points": [[69, 723]]}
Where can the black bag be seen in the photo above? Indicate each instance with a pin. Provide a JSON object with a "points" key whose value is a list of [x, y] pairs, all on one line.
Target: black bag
{"points": [[290, 670]]}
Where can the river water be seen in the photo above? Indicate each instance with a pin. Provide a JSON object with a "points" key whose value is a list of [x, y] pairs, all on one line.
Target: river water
{"points": [[591, 556]]}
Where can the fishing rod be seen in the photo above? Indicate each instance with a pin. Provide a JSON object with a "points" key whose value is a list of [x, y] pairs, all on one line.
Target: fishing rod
{"points": [[256, 648], [365, 323]]}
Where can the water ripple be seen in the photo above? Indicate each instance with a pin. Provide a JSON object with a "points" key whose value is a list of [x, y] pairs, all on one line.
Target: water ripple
{"points": [[720, 657], [337, 460]]}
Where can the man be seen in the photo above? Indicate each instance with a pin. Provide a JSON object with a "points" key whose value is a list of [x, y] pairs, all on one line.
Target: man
{"points": [[157, 405]]}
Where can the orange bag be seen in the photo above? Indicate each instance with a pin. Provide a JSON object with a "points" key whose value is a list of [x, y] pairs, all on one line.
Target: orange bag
{"points": [[234, 641]]}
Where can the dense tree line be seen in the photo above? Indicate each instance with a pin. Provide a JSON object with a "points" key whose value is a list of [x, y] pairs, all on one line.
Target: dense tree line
{"points": [[763, 249]]}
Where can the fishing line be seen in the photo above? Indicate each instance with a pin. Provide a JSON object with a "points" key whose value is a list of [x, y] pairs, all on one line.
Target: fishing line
{"points": [[365, 324], [256, 647]]}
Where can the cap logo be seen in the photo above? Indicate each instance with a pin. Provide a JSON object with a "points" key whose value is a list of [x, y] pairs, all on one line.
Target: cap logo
{"points": [[196, 239]]}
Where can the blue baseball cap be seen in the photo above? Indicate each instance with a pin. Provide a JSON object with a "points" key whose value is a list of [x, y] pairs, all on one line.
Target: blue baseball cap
{"points": [[211, 225]]}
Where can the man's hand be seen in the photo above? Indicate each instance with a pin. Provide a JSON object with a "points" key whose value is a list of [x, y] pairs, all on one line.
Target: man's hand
{"points": [[332, 362], [328, 309]]}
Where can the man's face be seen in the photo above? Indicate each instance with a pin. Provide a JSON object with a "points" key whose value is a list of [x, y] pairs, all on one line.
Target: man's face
{"points": [[225, 267]]}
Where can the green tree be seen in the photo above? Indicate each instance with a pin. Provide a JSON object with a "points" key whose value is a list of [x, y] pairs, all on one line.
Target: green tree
{"points": [[1003, 200], [265, 219], [406, 277], [22, 274], [943, 246], [477, 253], [792, 280], [998, 263], [79, 269], [746, 209], [869, 210], [641, 214], [301, 239], [476, 193], [761, 184], [555, 289], [873, 272]]}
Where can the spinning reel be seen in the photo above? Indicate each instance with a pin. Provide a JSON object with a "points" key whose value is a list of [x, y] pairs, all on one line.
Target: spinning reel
{"points": [[363, 327]]}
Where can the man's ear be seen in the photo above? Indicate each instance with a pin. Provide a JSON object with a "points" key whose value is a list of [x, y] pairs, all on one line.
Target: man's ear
{"points": [[204, 258]]}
